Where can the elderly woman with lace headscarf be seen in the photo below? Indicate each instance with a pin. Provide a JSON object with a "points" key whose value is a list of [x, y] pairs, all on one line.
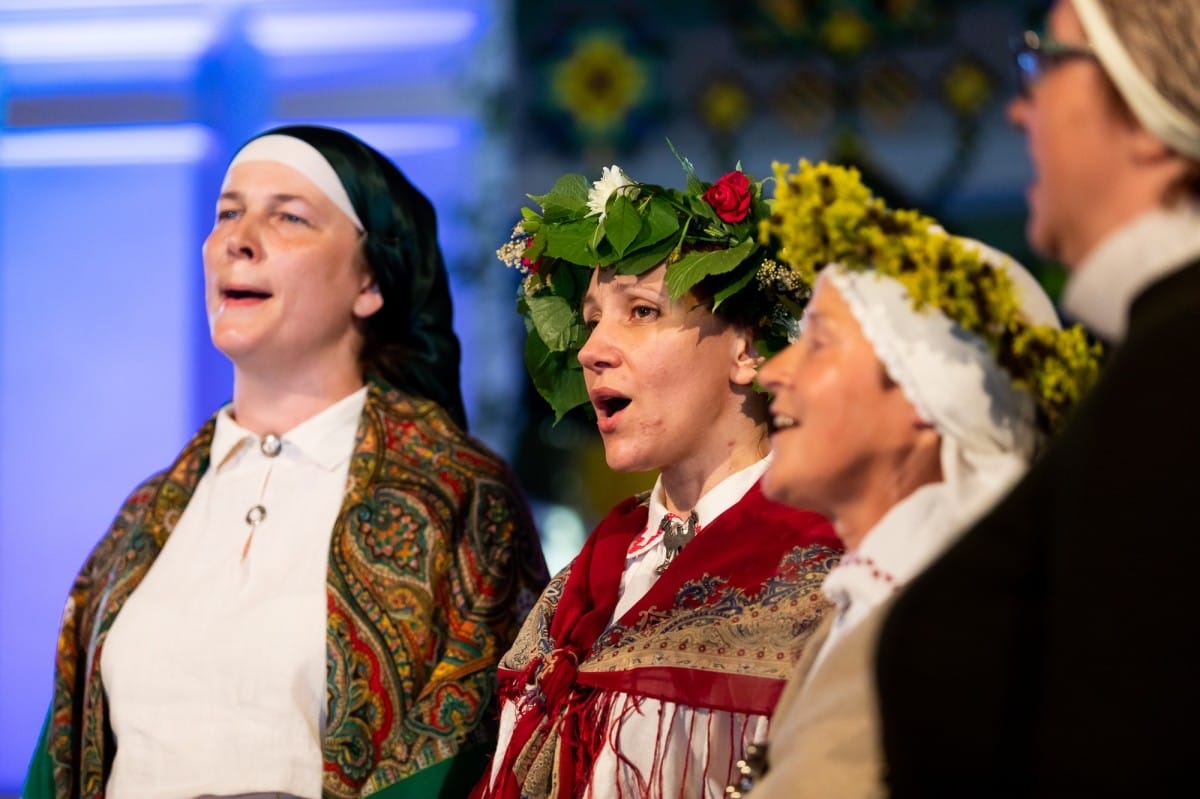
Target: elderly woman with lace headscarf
{"points": [[927, 372]]}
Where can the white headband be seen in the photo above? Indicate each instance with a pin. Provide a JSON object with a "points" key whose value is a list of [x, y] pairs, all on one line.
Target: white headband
{"points": [[1152, 109], [953, 380], [302, 157]]}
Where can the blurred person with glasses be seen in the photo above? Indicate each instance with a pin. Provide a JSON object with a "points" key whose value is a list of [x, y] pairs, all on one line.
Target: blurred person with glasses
{"points": [[1047, 653], [1034, 55]]}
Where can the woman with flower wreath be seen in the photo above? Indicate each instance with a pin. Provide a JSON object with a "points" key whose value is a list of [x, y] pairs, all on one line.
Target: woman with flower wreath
{"points": [[929, 370], [654, 659]]}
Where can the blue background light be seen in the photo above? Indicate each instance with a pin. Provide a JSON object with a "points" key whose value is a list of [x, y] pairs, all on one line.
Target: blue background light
{"points": [[119, 118]]}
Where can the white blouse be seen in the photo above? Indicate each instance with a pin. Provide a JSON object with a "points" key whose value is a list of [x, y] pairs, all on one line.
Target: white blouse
{"points": [[901, 544], [648, 551], [215, 667], [1101, 289], [674, 768], [717, 737]]}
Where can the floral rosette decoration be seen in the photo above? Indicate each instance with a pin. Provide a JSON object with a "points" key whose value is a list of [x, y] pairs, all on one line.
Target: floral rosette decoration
{"points": [[706, 234], [823, 214]]}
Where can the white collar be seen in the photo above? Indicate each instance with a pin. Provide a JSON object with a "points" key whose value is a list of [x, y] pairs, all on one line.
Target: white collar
{"points": [[327, 438], [900, 545], [1104, 285], [718, 499]]}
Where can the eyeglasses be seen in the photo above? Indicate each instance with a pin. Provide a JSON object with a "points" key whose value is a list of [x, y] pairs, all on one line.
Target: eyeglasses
{"points": [[1035, 56]]}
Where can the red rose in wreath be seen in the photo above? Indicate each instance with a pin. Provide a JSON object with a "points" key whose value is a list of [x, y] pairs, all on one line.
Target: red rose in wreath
{"points": [[730, 196]]}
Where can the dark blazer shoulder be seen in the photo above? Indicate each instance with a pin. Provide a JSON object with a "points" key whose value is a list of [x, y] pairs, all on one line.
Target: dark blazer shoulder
{"points": [[1169, 298]]}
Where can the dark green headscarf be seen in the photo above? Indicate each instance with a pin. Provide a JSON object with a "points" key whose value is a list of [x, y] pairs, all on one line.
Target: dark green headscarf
{"points": [[410, 341]]}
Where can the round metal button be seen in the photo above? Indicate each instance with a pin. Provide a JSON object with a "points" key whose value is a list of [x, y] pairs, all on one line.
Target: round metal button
{"points": [[255, 515], [271, 445]]}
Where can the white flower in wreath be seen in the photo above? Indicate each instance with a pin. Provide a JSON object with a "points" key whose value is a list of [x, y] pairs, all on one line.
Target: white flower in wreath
{"points": [[612, 178]]}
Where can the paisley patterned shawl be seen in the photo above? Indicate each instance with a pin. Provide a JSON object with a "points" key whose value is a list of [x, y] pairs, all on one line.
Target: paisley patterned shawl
{"points": [[721, 629], [433, 560]]}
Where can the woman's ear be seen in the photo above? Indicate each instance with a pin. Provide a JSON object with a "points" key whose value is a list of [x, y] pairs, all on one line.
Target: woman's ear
{"points": [[746, 360], [928, 453], [369, 300], [1152, 154], [1148, 148]]}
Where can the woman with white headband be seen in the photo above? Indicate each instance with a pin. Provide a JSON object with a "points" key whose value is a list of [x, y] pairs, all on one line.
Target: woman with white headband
{"points": [[1049, 651], [927, 371], [310, 602]]}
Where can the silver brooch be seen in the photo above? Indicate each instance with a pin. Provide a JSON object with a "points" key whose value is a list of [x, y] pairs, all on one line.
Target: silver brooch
{"points": [[676, 533]]}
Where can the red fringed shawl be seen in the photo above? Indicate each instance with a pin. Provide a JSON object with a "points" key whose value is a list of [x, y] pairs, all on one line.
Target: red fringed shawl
{"points": [[720, 629]]}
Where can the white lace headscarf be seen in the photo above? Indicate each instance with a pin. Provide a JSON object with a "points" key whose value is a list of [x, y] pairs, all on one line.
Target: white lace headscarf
{"points": [[987, 425]]}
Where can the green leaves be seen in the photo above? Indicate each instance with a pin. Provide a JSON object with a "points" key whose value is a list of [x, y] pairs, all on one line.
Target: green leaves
{"points": [[557, 376], [622, 224], [572, 241], [662, 221], [645, 260], [569, 194], [733, 288], [569, 390], [694, 185], [552, 317], [697, 265], [641, 238], [643, 225]]}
